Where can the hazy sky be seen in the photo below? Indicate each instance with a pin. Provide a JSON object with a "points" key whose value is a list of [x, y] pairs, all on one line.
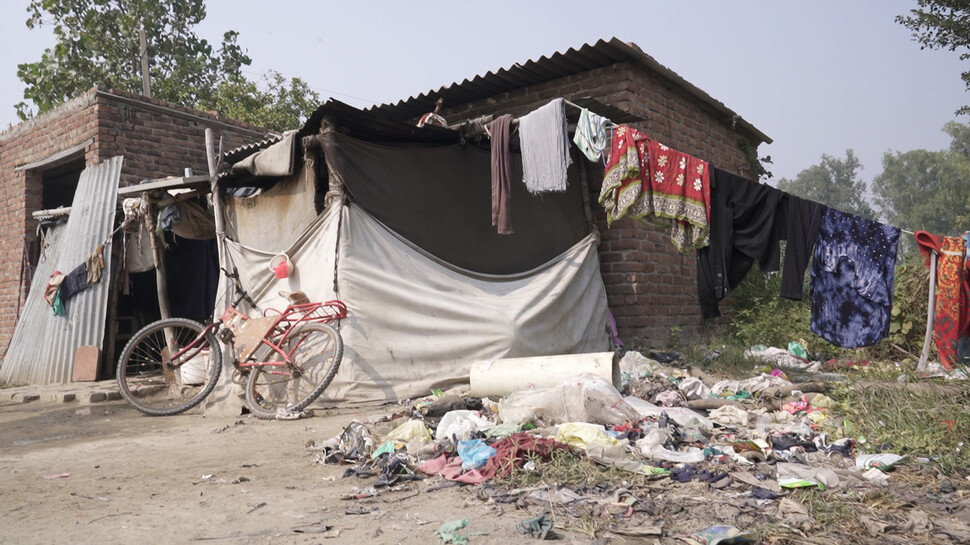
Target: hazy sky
{"points": [[817, 77]]}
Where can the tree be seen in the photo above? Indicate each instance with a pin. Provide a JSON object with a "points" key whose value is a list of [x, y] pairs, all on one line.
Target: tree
{"points": [[98, 44], [922, 189], [833, 182], [942, 24]]}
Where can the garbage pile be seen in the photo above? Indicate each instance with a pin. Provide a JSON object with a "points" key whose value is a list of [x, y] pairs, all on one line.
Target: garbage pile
{"points": [[752, 440]]}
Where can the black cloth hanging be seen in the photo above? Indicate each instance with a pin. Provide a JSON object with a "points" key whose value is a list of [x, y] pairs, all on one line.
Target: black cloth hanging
{"points": [[802, 220], [744, 229]]}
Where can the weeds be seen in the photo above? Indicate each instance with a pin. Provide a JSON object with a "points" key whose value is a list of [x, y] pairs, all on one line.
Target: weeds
{"points": [[567, 468], [894, 418]]}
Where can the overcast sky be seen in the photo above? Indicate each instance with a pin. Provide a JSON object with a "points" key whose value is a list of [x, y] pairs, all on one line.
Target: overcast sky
{"points": [[817, 77]]}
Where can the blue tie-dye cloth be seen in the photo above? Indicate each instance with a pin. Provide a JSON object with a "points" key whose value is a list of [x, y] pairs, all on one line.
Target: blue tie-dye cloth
{"points": [[853, 273]]}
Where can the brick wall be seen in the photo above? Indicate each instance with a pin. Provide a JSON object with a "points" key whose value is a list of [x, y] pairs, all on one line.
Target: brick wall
{"points": [[651, 288], [158, 139]]}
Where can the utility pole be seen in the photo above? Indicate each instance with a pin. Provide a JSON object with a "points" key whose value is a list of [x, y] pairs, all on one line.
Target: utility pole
{"points": [[146, 82]]}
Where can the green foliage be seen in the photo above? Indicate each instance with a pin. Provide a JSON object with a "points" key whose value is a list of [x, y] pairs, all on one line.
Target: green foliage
{"points": [[281, 106], [922, 189], [755, 164], [762, 316], [911, 419], [833, 182], [942, 24], [98, 44]]}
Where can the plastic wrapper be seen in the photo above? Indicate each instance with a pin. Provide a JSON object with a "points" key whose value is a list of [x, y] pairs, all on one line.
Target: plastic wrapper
{"points": [[582, 398]]}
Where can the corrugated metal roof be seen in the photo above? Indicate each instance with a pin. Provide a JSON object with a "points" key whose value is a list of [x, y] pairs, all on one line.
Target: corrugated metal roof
{"points": [[246, 150], [559, 65], [43, 345]]}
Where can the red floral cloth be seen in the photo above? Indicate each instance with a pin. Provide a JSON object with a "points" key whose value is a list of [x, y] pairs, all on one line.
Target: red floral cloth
{"points": [[646, 179], [680, 187], [952, 317]]}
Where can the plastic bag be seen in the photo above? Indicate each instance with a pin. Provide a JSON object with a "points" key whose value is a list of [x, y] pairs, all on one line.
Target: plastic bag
{"points": [[652, 447], [681, 415], [410, 431], [461, 425], [583, 398], [474, 453], [584, 435]]}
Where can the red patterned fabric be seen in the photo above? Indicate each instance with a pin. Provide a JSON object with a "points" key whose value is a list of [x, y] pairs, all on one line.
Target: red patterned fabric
{"points": [[646, 179], [680, 187], [952, 317], [622, 182]]}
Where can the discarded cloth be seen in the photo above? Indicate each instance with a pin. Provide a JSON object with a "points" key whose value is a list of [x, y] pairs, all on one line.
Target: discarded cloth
{"points": [[853, 274], [744, 229], [501, 174], [545, 148], [538, 527], [590, 135], [802, 222], [950, 319]]}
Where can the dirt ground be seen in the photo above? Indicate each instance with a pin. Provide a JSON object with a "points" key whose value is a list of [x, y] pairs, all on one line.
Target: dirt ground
{"points": [[104, 473]]}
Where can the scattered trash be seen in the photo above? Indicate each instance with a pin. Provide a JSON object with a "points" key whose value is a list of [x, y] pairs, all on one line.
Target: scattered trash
{"points": [[449, 532], [474, 453], [410, 431], [716, 535], [884, 461], [583, 398], [460, 425], [539, 527], [56, 476]]}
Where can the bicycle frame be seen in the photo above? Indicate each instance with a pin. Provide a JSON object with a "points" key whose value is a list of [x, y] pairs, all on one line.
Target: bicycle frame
{"points": [[284, 325]]}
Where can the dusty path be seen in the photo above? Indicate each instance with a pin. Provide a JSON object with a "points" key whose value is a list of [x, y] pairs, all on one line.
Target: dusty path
{"points": [[190, 479]]}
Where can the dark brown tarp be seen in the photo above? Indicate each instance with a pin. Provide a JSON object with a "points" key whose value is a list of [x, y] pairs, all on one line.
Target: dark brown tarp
{"points": [[439, 198]]}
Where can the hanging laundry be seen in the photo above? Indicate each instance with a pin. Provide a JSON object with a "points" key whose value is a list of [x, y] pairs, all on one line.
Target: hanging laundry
{"points": [[680, 190], [53, 286], [95, 265], [623, 179], [590, 135], [500, 129], [802, 221], [545, 148], [853, 274], [745, 228], [950, 319], [74, 282]]}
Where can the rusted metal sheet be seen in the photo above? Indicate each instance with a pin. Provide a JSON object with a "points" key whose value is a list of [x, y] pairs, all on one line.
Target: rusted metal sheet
{"points": [[43, 345]]}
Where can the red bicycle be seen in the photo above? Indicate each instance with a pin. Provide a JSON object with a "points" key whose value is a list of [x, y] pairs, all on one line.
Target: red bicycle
{"points": [[285, 358]]}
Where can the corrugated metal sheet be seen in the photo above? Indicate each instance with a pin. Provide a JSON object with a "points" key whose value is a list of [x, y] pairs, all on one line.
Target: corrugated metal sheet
{"points": [[43, 345], [559, 65]]}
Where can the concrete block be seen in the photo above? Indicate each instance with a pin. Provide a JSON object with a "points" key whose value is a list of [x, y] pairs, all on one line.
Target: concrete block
{"points": [[93, 397]]}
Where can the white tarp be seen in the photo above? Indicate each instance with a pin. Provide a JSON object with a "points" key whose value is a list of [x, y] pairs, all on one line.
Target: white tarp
{"points": [[415, 322]]}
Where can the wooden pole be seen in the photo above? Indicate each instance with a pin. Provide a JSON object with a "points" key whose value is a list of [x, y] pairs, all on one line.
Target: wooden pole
{"points": [[146, 81], [158, 253]]}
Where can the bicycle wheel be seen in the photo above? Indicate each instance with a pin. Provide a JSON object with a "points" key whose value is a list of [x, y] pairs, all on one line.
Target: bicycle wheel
{"points": [[276, 386], [157, 386]]}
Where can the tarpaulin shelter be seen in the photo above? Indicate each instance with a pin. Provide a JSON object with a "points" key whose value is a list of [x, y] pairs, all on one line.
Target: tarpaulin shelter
{"points": [[395, 220]]}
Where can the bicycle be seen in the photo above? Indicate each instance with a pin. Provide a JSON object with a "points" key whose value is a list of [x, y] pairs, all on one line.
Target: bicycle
{"points": [[288, 358]]}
